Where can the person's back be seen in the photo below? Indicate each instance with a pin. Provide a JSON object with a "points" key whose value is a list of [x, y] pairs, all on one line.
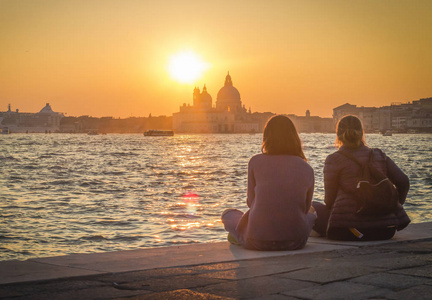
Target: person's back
{"points": [[284, 185], [341, 176]]}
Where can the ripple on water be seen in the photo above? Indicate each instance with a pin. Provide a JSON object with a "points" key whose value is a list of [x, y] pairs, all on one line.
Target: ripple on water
{"points": [[96, 238], [6, 158], [112, 223]]}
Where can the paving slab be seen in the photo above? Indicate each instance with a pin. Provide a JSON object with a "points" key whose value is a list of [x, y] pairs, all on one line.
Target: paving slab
{"points": [[275, 297], [392, 281], [21, 271], [271, 266], [162, 284], [424, 271], [181, 294], [329, 272], [391, 260], [421, 292], [154, 273], [340, 290], [84, 294], [254, 287]]}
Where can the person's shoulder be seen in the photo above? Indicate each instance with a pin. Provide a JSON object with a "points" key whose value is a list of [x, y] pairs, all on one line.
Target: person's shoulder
{"points": [[256, 157], [334, 157], [298, 162], [379, 154], [281, 158], [306, 165], [378, 151]]}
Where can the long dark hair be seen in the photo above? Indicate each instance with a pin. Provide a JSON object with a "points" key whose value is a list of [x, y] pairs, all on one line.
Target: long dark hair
{"points": [[280, 137], [349, 132]]}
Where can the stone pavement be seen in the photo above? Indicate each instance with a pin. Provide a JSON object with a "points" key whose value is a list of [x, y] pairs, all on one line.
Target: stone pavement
{"points": [[396, 269]]}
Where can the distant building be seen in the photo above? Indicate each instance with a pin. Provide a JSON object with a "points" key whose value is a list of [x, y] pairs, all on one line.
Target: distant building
{"points": [[421, 116], [85, 124], [309, 124], [46, 120], [343, 110], [398, 117], [228, 115]]}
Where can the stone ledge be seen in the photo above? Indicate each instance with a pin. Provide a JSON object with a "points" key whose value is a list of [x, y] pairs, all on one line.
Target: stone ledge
{"points": [[77, 265]]}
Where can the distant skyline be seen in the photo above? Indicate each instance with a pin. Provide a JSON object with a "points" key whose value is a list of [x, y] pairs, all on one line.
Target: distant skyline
{"points": [[111, 58]]}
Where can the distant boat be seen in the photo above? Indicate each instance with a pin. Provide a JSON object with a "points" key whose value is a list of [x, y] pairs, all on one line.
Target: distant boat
{"points": [[159, 133], [5, 130], [92, 132]]}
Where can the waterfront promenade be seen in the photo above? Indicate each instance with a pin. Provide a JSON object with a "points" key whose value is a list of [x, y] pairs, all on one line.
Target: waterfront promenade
{"points": [[397, 269]]}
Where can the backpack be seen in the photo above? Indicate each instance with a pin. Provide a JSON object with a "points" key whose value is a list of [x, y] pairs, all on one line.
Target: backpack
{"points": [[375, 193]]}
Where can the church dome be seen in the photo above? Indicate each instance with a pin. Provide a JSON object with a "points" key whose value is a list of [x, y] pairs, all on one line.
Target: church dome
{"points": [[205, 96], [228, 96], [228, 91]]}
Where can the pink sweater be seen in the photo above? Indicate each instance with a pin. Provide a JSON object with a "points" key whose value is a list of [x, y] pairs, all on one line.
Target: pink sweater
{"points": [[279, 195]]}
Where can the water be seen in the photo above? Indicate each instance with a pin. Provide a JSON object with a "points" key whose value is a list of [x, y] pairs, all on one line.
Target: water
{"points": [[62, 194]]}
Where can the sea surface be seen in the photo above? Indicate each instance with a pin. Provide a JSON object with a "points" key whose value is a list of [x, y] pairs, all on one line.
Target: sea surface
{"points": [[75, 193]]}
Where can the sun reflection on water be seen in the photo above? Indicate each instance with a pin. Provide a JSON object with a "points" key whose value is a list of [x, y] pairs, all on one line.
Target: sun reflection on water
{"points": [[191, 201]]}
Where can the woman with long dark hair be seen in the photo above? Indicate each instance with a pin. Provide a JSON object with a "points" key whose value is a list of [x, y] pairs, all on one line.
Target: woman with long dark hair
{"points": [[340, 218], [279, 194]]}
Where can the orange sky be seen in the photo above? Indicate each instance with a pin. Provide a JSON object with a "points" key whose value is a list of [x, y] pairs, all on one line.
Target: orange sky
{"points": [[109, 58]]}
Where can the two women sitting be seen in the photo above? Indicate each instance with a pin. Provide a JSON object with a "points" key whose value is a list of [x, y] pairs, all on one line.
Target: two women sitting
{"points": [[280, 188]]}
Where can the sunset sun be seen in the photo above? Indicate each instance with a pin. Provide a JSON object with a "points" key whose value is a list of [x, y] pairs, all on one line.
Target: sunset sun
{"points": [[186, 67]]}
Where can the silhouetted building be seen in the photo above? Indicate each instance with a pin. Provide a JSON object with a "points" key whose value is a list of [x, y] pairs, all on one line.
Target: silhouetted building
{"points": [[85, 124], [309, 124], [227, 116], [46, 120], [415, 116]]}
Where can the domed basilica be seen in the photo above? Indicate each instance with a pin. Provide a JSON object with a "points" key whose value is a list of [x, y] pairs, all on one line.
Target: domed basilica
{"points": [[228, 115]]}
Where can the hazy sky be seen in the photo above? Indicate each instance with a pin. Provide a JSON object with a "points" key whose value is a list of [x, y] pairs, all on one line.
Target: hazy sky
{"points": [[109, 57]]}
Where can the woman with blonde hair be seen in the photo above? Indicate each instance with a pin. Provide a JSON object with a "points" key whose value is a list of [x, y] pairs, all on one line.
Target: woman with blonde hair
{"points": [[341, 218], [279, 194]]}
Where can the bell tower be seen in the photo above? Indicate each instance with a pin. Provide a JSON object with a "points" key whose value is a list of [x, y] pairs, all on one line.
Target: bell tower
{"points": [[196, 96]]}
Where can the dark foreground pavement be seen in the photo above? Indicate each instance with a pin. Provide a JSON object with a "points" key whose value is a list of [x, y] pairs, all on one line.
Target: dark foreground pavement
{"points": [[398, 270]]}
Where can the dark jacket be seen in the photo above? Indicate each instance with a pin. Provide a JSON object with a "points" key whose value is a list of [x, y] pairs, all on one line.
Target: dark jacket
{"points": [[340, 178]]}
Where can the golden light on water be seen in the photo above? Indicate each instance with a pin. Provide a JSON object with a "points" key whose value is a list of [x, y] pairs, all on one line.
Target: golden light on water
{"points": [[189, 206], [186, 226]]}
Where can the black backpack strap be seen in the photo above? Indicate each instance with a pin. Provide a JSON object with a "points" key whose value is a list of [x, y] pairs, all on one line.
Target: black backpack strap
{"points": [[371, 155]]}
